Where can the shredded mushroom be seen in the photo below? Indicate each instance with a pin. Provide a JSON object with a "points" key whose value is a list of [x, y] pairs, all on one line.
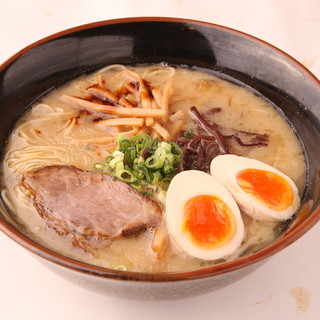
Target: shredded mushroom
{"points": [[199, 149]]}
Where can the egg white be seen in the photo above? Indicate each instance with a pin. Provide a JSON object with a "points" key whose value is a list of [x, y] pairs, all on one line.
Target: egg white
{"points": [[225, 169], [183, 187]]}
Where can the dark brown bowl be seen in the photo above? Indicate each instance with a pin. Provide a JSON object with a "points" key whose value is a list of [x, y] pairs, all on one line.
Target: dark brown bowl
{"points": [[49, 62]]}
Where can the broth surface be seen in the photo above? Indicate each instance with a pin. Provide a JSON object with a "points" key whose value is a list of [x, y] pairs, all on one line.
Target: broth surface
{"points": [[48, 134]]}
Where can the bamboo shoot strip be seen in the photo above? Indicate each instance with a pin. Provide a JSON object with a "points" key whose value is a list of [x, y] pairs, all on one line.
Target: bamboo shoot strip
{"points": [[119, 111]]}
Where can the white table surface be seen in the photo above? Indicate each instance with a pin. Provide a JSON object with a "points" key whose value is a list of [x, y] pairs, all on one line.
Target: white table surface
{"points": [[30, 291]]}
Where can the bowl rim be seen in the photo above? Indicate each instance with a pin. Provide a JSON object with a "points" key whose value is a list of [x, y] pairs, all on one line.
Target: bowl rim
{"points": [[219, 269]]}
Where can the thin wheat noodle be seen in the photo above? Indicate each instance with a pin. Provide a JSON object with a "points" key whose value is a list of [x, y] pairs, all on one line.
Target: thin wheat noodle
{"points": [[166, 72]]}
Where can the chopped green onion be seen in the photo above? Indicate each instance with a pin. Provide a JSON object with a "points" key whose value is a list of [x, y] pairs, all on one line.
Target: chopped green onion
{"points": [[161, 152], [188, 134], [120, 267], [166, 146], [164, 184], [99, 166], [176, 149], [125, 175], [171, 158], [125, 143], [143, 162], [157, 177], [168, 169], [113, 162], [119, 165], [154, 162], [143, 169], [177, 159], [133, 154]]}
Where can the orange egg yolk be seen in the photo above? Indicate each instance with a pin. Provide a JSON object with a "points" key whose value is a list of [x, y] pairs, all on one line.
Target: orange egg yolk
{"points": [[267, 187], [208, 222]]}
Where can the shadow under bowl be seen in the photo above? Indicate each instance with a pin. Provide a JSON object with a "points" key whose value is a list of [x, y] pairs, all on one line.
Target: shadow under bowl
{"points": [[249, 61]]}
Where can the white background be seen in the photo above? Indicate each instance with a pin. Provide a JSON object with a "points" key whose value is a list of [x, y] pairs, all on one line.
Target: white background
{"points": [[30, 291]]}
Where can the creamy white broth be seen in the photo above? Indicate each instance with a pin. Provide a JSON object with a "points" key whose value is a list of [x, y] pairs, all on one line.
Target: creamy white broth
{"points": [[45, 135]]}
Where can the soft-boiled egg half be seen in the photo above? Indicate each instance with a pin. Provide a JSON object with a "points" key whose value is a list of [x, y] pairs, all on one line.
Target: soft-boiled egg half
{"points": [[202, 217], [260, 190]]}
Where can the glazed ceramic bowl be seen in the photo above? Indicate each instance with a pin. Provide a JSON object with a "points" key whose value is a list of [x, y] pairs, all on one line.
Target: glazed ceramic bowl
{"points": [[249, 61]]}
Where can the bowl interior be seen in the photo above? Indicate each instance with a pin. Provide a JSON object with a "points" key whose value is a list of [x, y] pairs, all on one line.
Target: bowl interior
{"points": [[61, 57]]}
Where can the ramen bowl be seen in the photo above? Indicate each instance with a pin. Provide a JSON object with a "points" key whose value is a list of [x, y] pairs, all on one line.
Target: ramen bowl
{"points": [[275, 75]]}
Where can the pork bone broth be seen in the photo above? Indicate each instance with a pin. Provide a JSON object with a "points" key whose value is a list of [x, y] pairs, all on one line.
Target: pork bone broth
{"points": [[77, 125]]}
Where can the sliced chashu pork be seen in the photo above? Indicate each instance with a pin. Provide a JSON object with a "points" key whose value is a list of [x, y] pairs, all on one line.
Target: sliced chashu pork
{"points": [[91, 207]]}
